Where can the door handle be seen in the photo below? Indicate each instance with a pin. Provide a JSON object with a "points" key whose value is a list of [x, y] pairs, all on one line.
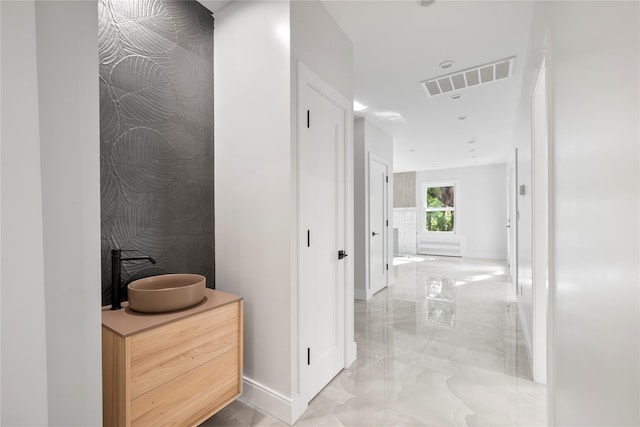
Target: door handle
{"points": [[342, 254], [373, 233]]}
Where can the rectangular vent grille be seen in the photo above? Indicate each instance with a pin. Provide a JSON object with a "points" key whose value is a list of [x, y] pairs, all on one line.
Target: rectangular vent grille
{"points": [[487, 73], [448, 247]]}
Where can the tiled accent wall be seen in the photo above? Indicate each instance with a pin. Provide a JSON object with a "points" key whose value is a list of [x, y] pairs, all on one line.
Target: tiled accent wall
{"points": [[404, 190], [156, 136], [404, 219]]}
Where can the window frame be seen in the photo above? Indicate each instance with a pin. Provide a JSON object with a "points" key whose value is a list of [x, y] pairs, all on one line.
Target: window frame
{"points": [[423, 196]]}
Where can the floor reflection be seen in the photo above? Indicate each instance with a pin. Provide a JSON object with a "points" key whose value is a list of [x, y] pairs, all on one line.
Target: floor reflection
{"points": [[440, 300], [440, 347]]}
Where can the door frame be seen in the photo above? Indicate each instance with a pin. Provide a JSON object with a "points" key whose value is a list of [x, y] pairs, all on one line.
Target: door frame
{"points": [[513, 219], [385, 232], [306, 77], [542, 224]]}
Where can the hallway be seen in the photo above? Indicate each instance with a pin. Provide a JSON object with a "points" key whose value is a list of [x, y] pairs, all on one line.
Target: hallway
{"points": [[440, 347]]}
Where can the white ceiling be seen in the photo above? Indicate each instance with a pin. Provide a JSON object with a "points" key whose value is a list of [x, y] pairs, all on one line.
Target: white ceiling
{"points": [[397, 44], [214, 5]]}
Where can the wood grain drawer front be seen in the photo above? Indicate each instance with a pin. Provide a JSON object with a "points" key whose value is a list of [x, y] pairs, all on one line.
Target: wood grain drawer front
{"points": [[192, 397], [180, 347], [114, 380], [156, 339]]}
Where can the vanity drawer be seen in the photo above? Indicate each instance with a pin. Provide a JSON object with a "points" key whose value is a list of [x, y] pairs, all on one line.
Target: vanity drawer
{"points": [[162, 354], [175, 368], [154, 340], [191, 398]]}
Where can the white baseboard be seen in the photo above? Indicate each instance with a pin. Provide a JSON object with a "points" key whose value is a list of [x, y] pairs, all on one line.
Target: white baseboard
{"points": [[352, 354], [360, 294], [525, 334], [485, 255], [284, 408]]}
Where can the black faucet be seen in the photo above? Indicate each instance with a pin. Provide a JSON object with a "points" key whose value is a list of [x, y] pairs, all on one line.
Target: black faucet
{"points": [[116, 284]]}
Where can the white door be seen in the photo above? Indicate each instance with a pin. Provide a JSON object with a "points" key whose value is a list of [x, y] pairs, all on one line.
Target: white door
{"points": [[322, 235], [377, 232]]}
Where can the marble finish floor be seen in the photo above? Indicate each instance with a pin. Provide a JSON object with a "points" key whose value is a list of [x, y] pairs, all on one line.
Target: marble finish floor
{"points": [[440, 347]]}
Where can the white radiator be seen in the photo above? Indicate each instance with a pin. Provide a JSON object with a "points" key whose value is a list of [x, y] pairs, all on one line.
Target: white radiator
{"points": [[447, 246]]}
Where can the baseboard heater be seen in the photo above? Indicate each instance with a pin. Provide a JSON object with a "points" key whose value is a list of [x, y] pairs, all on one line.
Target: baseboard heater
{"points": [[446, 246]]}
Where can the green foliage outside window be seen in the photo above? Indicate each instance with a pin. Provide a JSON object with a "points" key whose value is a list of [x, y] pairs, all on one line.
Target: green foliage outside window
{"points": [[440, 208], [440, 197], [439, 221]]}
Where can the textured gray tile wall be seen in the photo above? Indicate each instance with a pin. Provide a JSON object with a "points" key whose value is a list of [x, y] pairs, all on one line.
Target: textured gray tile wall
{"points": [[156, 136], [404, 190]]}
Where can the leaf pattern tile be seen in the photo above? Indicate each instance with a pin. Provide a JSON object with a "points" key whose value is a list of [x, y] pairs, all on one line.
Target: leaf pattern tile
{"points": [[156, 136]]}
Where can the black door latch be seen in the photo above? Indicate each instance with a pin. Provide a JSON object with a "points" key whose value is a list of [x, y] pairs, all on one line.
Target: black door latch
{"points": [[342, 254]]}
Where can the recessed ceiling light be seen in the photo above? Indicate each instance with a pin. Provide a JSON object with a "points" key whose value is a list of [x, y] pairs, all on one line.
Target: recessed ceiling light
{"points": [[446, 65], [462, 117], [472, 150], [471, 141], [358, 106], [425, 3], [456, 96], [412, 149], [389, 115]]}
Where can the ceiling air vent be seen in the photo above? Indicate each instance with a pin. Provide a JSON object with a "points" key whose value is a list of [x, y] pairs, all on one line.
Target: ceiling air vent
{"points": [[463, 79]]}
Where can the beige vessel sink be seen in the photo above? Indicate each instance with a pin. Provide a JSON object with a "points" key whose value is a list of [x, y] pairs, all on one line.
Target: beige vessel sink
{"points": [[167, 292]]}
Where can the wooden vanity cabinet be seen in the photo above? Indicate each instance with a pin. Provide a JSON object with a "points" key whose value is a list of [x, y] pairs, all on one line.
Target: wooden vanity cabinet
{"points": [[172, 368]]}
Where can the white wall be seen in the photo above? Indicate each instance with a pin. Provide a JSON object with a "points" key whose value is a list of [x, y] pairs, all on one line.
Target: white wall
{"points": [[594, 299], [320, 44], [481, 217], [522, 141], [360, 220], [51, 357], [24, 346], [253, 185], [70, 165], [369, 138], [257, 46]]}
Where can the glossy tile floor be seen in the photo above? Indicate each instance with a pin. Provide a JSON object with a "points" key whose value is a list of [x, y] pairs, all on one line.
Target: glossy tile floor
{"points": [[440, 347]]}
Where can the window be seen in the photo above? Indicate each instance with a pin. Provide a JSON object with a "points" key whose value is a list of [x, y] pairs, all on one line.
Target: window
{"points": [[439, 207]]}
